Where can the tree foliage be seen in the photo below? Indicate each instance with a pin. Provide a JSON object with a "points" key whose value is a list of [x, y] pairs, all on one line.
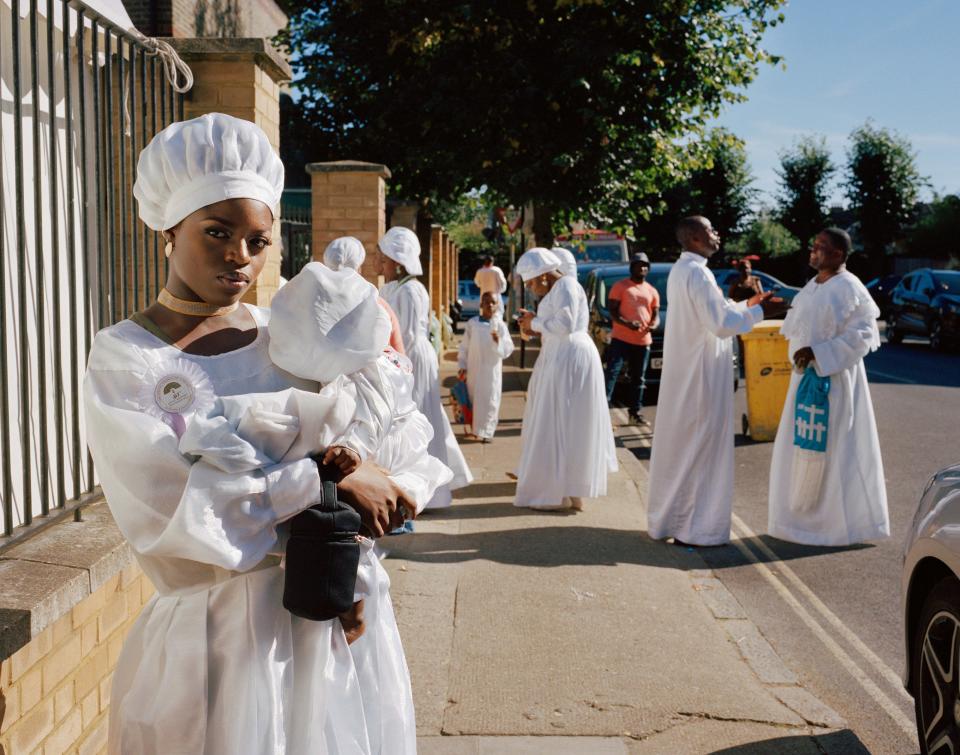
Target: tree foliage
{"points": [[766, 237], [805, 172], [882, 185], [570, 104], [937, 233], [719, 188]]}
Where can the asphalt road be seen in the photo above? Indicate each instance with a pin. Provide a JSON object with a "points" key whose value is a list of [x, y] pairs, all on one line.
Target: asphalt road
{"points": [[834, 614]]}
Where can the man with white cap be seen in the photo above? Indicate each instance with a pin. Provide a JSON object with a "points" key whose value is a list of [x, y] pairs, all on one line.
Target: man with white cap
{"points": [[216, 635], [691, 464], [567, 440], [399, 262]]}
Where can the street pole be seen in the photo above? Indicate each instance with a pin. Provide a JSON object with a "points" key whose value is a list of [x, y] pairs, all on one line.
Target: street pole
{"points": [[523, 304]]}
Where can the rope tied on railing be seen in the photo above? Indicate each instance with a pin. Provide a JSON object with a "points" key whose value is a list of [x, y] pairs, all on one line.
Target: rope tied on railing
{"points": [[173, 68]]}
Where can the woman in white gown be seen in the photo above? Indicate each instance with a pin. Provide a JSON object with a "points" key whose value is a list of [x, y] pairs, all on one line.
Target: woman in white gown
{"points": [[399, 265], [568, 446], [214, 663]]}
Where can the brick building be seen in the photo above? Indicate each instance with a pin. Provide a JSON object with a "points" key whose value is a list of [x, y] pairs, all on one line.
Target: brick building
{"points": [[206, 18]]}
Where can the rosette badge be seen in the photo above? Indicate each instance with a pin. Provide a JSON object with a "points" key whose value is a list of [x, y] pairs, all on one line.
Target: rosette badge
{"points": [[174, 390]]}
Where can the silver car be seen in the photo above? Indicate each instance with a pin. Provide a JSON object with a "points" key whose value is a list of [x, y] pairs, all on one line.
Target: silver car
{"points": [[931, 611]]}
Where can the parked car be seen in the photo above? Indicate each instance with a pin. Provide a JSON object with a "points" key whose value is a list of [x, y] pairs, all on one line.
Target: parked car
{"points": [[930, 592], [726, 276], [599, 282], [926, 303], [880, 290], [468, 300]]}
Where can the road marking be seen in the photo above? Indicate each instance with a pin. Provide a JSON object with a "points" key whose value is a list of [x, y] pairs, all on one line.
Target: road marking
{"points": [[889, 376], [869, 686], [878, 663]]}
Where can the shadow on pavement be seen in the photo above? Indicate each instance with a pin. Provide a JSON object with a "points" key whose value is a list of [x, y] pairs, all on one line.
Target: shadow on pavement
{"points": [[569, 545], [483, 490], [836, 743]]}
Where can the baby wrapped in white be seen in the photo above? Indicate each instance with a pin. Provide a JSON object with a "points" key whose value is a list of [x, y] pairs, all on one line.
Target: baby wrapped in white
{"points": [[328, 326]]}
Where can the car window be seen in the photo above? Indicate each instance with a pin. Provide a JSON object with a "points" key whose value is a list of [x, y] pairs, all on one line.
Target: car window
{"points": [[768, 281], [948, 282], [908, 282]]}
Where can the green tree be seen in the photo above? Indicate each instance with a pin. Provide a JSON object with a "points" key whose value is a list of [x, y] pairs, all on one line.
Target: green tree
{"points": [[766, 237], [805, 172], [719, 188], [882, 186], [937, 233], [568, 104]]}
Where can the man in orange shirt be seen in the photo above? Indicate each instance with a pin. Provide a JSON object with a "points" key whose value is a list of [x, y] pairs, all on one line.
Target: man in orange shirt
{"points": [[635, 311]]}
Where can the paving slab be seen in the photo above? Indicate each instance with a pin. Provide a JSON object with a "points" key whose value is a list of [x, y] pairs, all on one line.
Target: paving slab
{"points": [[522, 627]]}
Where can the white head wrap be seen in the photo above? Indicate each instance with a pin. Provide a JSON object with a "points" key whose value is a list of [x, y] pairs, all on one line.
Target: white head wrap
{"points": [[344, 252], [568, 263], [325, 323], [536, 261], [195, 163], [402, 246]]}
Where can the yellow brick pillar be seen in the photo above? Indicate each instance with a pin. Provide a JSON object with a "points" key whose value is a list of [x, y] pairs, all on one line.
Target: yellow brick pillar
{"points": [[240, 77], [436, 255], [349, 199], [405, 214]]}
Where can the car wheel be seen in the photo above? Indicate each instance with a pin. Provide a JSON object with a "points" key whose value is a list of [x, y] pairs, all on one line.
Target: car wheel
{"points": [[935, 662], [936, 336], [894, 336]]}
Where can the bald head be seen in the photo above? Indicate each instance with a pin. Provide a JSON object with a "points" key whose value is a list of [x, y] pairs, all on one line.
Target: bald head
{"points": [[696, 234]]}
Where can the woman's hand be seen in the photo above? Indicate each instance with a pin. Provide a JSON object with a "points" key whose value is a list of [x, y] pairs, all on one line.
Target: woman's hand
{"points": [[374, 496], [353, 623], [803, 357], [344, 460], [525, 320]]}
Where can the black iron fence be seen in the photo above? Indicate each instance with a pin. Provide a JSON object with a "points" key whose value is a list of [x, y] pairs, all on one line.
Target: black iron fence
{"points": [[80, 98], [296, 228]]}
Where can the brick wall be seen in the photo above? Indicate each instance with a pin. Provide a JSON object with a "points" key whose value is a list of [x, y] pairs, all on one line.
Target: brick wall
{"points": [[206, 18], [55, 691]]}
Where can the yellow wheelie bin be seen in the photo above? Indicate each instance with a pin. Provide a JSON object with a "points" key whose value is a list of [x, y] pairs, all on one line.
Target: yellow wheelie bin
{"points": [[767, 368]]}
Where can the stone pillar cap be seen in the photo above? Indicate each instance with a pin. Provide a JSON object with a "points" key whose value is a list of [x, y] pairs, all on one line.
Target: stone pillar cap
{"points": [[349, 166], [234, 49]]}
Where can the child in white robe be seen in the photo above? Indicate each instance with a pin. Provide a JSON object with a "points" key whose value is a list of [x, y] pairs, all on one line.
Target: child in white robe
{"points": [[327, 326], [486, 343]]}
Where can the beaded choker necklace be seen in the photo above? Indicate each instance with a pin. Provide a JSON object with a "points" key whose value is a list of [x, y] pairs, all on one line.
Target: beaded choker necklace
{"points": [[193, 308]]}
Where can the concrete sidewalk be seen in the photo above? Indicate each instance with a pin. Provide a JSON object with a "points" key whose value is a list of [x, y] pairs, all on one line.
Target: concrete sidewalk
{"points": [[531, 632]]}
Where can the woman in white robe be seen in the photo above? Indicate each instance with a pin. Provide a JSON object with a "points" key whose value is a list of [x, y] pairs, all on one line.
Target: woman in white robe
{"points": [[400, 264], [836, 319], [480, 361], [567, 438], [214, 663]]}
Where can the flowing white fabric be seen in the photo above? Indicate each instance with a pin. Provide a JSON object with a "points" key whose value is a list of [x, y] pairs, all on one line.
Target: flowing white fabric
{"points": [[838, 320], [214, 663], [482, 358], [411, 303], [691, 464], [568, 447]]}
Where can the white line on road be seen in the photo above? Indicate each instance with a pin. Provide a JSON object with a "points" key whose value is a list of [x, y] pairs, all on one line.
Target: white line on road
{"points": [[849, 635], [889, 376], [869, 686]]}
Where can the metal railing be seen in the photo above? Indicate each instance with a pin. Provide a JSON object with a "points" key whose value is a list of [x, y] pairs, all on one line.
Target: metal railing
{"points": [[296, 229], [81, 97]]}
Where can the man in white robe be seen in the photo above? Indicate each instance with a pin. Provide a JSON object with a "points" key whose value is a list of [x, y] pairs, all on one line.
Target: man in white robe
{"points": [[490, 278], [691, 465], [838, 496], [486, 343]]}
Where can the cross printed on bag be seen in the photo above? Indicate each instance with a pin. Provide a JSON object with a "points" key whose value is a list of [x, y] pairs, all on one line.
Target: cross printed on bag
{"points": [[811, 428]]}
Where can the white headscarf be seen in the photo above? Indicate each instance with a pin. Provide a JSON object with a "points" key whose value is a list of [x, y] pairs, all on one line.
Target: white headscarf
{"points": [[344, 252], [536, 261], [196, 163], [568, 263], [325, 323], [402, 246]]}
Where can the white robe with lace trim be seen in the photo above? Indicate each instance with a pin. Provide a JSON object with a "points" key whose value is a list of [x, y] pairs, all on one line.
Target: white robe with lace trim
{"points": [[838, 320], [691, 464]]}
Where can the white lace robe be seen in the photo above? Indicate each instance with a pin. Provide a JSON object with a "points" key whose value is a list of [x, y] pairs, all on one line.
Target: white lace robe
{"points": [[838, 320]]}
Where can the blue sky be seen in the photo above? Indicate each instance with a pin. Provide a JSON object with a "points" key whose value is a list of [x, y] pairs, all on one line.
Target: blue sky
{"points": [[895, 61]]}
